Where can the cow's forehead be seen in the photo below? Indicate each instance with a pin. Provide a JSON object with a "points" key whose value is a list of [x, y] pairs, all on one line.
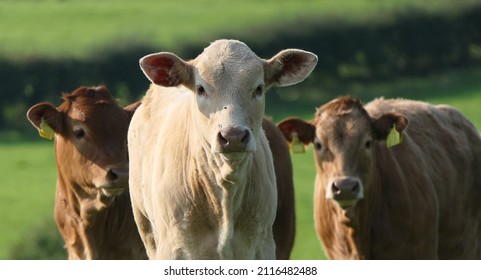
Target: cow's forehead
{"points": [[227, 50], [88, 101], [101, 118], [94, 109], [343, 128], [229, 62]]}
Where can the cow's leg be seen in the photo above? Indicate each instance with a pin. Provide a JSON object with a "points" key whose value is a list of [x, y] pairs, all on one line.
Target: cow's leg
{"points": [[145, 229], [267, 248]]}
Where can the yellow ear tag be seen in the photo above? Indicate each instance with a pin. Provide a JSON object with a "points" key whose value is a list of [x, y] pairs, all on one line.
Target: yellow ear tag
{"points": [[45, 130], [393, 138], [296, 145]]}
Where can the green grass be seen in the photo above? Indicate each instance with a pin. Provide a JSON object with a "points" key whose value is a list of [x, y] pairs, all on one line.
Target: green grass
{"points": [[27, 192], [82, 28], [306, 246]]}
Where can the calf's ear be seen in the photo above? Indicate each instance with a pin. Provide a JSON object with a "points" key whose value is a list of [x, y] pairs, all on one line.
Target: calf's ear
{"points": [[289, 67], [167, 70], [305, 131], [383, 125], [130, 109], [50, 116]]}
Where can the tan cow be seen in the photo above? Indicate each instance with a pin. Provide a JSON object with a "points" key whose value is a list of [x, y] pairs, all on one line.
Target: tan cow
{"points": [[202, 176], [92, 205], [418, 199], [284, 228]]}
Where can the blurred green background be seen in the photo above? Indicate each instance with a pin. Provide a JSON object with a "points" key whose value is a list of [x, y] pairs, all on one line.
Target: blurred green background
{"points": [[425, 50]]}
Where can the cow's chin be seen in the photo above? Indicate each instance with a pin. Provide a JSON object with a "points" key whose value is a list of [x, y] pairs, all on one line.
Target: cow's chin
{"points": [[233, 159], [231, 166], [346, 204], [112, 190]]}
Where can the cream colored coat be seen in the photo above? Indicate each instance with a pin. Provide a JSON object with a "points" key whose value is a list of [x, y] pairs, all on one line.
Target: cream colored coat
{"points": [[192, 197]]}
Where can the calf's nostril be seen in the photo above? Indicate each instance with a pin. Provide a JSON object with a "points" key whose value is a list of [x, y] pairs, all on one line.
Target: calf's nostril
{"points": [[111, 175], [355, 188], [335, 189], [222, 140], [245, 138], [233, 139]]}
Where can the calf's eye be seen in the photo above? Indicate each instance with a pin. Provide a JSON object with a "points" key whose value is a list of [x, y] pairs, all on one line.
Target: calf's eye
{"points": [[258, 91], [200, 90], [78, 133], [368, 144], [317, 145]]}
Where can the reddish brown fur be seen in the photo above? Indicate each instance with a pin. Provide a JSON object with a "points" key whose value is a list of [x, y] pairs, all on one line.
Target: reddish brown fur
{"points": [[284, 228], [421, 197], [92, 206]]}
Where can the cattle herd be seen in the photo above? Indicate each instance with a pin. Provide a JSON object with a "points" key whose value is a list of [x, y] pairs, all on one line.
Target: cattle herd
{"points": [[195, 170]]}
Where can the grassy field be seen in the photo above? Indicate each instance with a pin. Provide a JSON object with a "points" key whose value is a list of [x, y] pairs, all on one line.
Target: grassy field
{"points": [[27, 192], [82, 28]]}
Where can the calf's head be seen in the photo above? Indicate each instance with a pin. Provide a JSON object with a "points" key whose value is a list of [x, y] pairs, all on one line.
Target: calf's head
{"points": [[229, 82], [345, 138], [90, 139]]}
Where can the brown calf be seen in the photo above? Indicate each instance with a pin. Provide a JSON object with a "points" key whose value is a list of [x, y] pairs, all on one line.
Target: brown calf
{"points": [[418, 199], [92, 206], [284, 228]]}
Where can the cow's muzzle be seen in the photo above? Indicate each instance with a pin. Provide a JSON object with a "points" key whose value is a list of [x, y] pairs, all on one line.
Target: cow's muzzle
{"points": [[345, 190], [234, 139], [116, 181]]}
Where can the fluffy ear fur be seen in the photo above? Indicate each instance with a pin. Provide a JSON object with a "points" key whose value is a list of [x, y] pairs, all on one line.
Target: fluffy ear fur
{"points": [[167, 70], [289, 67], [383, 125], [49, 113], [306, 132]]}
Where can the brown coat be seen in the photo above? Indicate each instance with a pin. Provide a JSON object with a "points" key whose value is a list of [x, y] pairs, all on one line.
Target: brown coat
{"points": [[416, 200], [92, 206], [284, 228]]}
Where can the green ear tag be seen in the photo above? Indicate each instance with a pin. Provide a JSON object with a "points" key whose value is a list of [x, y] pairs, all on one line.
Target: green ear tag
{"points": [[393, 138], [296, 145], [45, 130]]}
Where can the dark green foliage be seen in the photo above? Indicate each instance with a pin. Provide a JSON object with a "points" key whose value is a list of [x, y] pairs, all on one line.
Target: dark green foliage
{"points": [[413, 44]]}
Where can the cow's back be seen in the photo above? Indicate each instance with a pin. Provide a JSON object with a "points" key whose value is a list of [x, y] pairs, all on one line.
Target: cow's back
{"points": [[438, 161]]}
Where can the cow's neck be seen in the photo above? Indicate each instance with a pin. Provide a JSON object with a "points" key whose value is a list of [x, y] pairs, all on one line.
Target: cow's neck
{"points": [[226, 187], [231, 190], [339, 231], [342, 231], [84, 220], [357, 222]]}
